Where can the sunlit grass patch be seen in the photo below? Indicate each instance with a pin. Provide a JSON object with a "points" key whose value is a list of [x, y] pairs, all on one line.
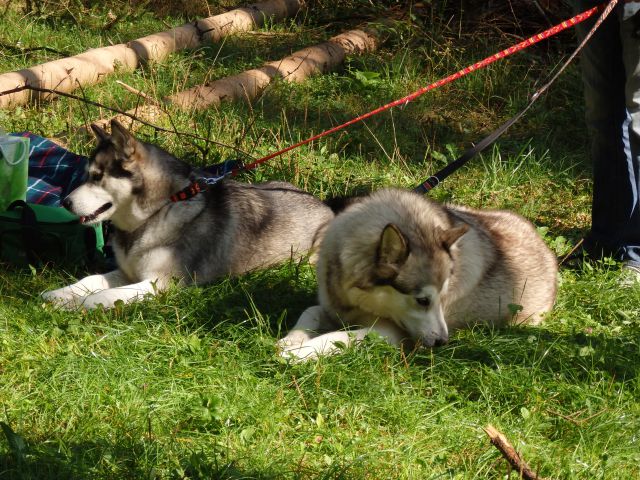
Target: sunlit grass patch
{"points": [[189, 385]]}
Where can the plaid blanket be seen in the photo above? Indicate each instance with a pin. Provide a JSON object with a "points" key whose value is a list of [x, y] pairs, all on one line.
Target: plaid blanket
{"points": [[53, 171]]}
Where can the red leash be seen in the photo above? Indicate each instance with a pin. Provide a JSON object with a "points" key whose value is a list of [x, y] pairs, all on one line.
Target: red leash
{"points": [[465, 71]]}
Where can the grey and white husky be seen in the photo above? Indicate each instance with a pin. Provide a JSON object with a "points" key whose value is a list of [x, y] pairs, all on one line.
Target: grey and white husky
{"points": [[230, 228], [413, 270]]}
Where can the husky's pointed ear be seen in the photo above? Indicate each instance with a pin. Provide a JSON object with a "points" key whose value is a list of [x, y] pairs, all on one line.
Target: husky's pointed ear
{"points": [[122, 139], [99, 132], [393, 251], [450, 236]]}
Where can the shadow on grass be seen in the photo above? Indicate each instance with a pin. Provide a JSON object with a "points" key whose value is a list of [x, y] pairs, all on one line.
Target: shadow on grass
{"points": [[579, 353], [113, 460], [57, 460], [262, 296], [291, 288], [532, 360]]}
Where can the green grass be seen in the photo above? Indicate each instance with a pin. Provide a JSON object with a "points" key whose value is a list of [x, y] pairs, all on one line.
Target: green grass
{"points": [[188, 385]]}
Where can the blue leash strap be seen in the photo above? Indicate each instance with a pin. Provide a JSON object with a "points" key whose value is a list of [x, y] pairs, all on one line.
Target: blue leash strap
{"points": [[217, 173], [222, 169]]}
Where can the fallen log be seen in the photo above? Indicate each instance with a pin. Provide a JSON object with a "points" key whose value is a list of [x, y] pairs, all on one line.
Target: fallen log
{"points": [[248, 85], [90, 67]]}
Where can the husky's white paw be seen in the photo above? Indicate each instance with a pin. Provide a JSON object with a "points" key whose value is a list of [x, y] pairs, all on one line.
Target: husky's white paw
{"points": [[298, 354], [296, 346], [62, 297], [294, 339], [105, 298]]}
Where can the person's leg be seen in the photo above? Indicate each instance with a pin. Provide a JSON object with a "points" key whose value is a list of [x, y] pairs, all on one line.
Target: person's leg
{"points": [[611, 74], [630, 38]]}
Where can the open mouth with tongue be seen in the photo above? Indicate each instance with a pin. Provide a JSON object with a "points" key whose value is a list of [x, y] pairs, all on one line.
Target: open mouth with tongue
{"points": [[92, 217]]}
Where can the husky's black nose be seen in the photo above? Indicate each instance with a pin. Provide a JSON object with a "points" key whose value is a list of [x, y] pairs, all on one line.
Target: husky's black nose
{"points": [[440, 341], [66, 203]]}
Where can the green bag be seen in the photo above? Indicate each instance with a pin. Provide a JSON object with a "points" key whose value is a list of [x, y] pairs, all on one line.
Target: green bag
{"points": [[37, 234], [14, 166]]}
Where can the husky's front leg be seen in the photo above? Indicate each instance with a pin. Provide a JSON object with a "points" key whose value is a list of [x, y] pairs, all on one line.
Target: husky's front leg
{"points": [[311, 320], [127, 293], [332, 342], [326, 344], [73, 295]]}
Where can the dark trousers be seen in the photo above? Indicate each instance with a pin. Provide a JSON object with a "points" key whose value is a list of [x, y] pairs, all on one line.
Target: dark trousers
{"points": [[611, 74]]}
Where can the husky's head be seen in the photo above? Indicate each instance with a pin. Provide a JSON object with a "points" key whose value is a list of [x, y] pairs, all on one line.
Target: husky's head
{"points": [[111, 176], [124, 181], [409, 279]]}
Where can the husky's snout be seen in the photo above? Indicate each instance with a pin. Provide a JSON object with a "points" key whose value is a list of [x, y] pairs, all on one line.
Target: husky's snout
{"points": [[434, 340], [428, 329], [89, 203], [441, 341]]}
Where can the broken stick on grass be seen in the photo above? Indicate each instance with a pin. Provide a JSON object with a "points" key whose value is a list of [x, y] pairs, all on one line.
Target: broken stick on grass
{"points": [[510, 454]]}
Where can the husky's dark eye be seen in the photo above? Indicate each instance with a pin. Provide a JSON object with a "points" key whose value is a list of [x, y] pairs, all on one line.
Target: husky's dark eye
{"points": [[423, 302], [95, 176]]}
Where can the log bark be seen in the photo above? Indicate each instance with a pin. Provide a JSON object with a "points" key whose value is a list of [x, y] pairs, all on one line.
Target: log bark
{"points": [[510, 454], [249, 85], [92, 66]]}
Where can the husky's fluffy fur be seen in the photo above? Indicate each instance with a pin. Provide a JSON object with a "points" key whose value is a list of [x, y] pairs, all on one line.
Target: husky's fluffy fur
{"points": [[230, 228], [413, 270]]}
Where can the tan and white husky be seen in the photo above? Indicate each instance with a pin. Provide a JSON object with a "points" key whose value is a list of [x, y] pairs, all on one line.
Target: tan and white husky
{"points": [[413, 270]]}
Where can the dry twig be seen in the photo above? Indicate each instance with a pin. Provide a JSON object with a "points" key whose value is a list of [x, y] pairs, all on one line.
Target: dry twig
{"points": [[510, 454], [575, 417], [25, 50], [140, 93]]}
